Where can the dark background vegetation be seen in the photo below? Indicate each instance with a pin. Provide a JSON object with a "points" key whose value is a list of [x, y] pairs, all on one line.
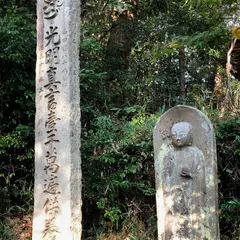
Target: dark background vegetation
{"points": [[138, 59]]}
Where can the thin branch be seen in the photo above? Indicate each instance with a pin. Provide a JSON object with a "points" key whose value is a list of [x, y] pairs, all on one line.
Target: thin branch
{"points": [[228, 71]]}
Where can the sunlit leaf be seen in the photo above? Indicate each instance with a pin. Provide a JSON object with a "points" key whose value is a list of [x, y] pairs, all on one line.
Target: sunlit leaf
{"points": [[236, 32]]}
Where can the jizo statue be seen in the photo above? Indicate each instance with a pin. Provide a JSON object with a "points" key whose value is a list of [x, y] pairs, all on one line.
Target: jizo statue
{"points": [[186, 180], [184, 187]]}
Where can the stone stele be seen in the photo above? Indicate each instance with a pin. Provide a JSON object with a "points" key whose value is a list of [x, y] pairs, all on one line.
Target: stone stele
{"points": [[186, 176], [57, 186]]}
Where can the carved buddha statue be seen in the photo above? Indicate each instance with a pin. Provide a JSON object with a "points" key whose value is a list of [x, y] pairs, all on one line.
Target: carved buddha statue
{"points": [[184, 186]]}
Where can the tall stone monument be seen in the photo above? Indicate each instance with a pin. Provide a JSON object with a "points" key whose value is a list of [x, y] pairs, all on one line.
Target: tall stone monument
{"points": [[186, 176], [57, 188]]}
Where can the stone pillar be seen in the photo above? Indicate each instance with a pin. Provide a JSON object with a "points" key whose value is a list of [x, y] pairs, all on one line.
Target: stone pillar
{"points": [[186, 176], [57, 187]]}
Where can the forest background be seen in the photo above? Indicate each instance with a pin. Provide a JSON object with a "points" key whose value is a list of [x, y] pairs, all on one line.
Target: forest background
{"points": [[138, 59]]}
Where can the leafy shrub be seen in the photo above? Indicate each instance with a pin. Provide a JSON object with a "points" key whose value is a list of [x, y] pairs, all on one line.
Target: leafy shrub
{"points": [[17, 60], [228, 145], [17, 86], [6, 232], [118, 167], [230, 216], [16, 175]]}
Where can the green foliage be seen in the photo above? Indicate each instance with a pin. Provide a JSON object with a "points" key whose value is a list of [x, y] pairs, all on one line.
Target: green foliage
{"points": [[119, 5], [16, 169], [228, 144], [17, 35], [17, 60], [17, 67], [230, 212], [6, 232], [118, 164], [93, 90]]}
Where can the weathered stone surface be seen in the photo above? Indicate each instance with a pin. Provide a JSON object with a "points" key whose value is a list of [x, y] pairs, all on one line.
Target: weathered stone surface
{"points": [[57, 188], [186, 175]]}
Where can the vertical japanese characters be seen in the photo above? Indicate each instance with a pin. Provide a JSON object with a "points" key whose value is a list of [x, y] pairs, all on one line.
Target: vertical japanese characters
{"points": [[51, 190], [57, 185]]}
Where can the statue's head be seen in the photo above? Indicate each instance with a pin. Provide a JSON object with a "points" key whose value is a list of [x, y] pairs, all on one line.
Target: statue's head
{"points": [[181, 134]]}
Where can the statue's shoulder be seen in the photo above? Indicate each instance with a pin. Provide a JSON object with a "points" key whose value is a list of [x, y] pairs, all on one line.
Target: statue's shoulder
{"points": [[194, 149], [195, 153]]}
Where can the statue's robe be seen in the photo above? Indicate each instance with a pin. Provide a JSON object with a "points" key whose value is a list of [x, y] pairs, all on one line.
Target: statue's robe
{"points": [[184, 193]]}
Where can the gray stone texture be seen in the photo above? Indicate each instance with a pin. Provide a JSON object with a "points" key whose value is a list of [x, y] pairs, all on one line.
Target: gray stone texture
{"points": [[186, 175], [57, 187]]}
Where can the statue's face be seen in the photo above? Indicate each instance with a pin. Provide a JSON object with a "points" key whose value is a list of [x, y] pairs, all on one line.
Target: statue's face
{"points": [[181, 134]]}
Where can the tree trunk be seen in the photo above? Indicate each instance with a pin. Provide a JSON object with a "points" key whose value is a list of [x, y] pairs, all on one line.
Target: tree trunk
{"points": [[120, 40], [218, 91], [182, 66], [117, 55], [227, 103]]}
